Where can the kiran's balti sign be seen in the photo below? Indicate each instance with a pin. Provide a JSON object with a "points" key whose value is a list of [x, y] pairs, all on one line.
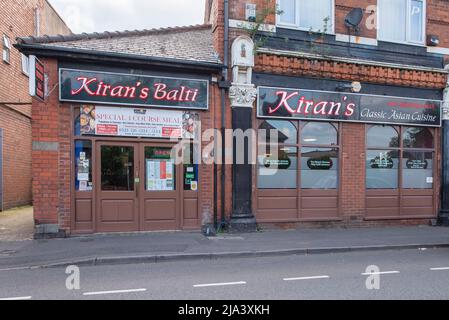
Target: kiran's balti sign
{"points": [[336, 106], [96, 87]]}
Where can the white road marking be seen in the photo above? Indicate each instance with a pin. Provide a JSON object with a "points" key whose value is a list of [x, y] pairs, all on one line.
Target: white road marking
{"points": [[219, 284], [439, 269], [306, 278], [16, 298], [379, 273], [113, 292]]}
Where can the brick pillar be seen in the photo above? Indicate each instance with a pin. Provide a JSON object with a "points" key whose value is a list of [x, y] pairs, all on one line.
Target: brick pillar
{"points": [[353, 171], [45, 131]]}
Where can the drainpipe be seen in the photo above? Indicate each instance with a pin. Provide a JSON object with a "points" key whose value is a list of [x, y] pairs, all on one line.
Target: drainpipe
{"points": [[223, 110], [443, 217]]}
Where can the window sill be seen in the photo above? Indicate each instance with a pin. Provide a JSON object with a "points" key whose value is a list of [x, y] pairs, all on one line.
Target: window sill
{"points": [[331, 33], [403, 43]]}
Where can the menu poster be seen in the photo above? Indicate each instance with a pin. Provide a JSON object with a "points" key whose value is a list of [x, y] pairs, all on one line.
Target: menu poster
{"points": [[160, 175]]}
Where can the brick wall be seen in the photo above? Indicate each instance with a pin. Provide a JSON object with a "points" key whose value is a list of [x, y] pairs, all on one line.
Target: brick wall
{"points": [[17, 18]]}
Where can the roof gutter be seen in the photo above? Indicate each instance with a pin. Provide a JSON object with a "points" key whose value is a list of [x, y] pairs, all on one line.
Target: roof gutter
{"points": [[90, 55]]}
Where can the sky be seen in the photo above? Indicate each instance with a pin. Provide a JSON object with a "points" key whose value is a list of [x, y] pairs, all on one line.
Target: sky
{"points": [[115, 15]]}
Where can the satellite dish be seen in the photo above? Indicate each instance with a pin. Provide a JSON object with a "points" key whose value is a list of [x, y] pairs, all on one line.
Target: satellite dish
{"points": [[354, 18]]}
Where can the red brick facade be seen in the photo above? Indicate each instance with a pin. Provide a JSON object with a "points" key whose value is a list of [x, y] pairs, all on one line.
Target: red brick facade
{"points": [[352, 198], [17, 18]]}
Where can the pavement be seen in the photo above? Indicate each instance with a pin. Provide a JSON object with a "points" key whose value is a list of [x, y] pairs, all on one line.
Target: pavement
{"points": [[157, 247], [17, 224]]}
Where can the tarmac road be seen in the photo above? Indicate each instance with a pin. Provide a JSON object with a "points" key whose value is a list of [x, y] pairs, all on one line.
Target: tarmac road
{"points": [[404, 274]]}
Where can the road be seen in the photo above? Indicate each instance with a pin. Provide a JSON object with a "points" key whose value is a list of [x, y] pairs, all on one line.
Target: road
{"points": [[406, 274]]}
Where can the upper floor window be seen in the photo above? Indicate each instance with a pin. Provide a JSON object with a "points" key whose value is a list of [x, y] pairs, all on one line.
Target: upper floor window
{"points": [[316, 15], [25, 65], [6, 49], [402, 20]]}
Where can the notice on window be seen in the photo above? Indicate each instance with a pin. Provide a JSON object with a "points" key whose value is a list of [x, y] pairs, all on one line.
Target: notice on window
{"points": [[160, 175]]}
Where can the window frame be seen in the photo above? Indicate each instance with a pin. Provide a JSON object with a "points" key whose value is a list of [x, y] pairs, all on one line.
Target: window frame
{"points": [[297, 26], [6, 45], [23, 59], [401, 129], [407, 27]]}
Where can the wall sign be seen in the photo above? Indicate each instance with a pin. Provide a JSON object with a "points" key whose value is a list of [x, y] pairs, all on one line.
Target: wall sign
{"points": [[134, 90], [37, 78], [129, 122], [417, 164], [336, 106]]}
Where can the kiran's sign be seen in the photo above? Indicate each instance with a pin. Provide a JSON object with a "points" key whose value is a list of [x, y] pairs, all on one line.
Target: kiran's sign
{"points": [[336, 106], [133, 90]]}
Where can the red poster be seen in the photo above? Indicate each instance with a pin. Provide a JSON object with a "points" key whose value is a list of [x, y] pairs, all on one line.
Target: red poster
{"points": [[163, 170], [107, 129]]}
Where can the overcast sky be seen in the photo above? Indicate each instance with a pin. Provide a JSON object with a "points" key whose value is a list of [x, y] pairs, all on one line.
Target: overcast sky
{"points": [[112, 15]]}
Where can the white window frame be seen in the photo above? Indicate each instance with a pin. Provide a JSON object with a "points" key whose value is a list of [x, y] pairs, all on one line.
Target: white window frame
{"points": [[6, 48], [296, 25], [408, 26], [25, 65]]}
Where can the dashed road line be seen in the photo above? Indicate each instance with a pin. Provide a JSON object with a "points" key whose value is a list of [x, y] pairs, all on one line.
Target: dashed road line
{"points": [[16, 298], [113, 292], [306, 278], [219, 284], [379, 273], [439, 269]]}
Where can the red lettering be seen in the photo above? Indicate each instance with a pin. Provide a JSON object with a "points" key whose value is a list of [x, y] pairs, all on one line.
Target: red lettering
{"points": [[85, 86], [283, 102], [160, 93]]}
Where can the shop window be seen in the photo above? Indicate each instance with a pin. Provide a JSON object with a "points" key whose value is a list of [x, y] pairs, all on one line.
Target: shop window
{"points": [[117, 168], [6, 49], [382, 137], [285, 130], [83, 166], [417, 170], [159, 169], [319, 133], [319, 168], [401, 20], [277, 167], [418, 138], [382, 169], [307, 15]]}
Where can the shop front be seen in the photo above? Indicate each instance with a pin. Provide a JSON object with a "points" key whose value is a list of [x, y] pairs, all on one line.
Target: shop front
{"points": [[135, 143], [329, 156]]}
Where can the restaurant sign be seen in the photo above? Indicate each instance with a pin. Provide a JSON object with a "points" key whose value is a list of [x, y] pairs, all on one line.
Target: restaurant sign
{"points": [[337, 106], [134, 90]]}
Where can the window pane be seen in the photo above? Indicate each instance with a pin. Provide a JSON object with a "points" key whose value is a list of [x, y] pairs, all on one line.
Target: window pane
{"points": [[382, 136], [313, 14], [417, 170], [392, 19], [319, 168], [83, 166], [288, 9], [117, 168], [319, 133], [416, 21], [160, 169], [277, 171], [285, 130], [418, 138], [382, 169]]}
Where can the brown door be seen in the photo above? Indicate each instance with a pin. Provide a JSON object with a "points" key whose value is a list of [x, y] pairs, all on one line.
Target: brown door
{"points": [[117, 205], [160, 189]]}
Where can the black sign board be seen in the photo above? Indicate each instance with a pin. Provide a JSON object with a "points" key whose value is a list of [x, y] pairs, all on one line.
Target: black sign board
{"points": [[336, 106], [135, 90], [320, 163]]}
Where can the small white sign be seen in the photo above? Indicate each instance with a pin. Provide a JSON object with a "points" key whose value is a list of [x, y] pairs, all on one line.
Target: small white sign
{"points": [[429, 180], [83, 176]]}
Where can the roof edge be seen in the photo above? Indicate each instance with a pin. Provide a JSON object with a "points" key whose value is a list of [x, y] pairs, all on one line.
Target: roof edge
{"points": [[74, 54], [107, 35]]}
